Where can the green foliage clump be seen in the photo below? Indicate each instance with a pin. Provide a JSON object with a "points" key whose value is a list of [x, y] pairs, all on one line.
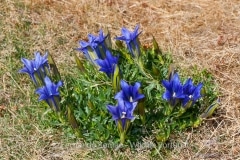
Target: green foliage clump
{"points": [[87, 92]]}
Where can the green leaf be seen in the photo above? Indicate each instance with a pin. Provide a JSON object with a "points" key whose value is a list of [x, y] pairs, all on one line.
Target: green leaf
{"points": [[53, 67], [79, 63], [116, 79], [209, 111], [156, 48]]}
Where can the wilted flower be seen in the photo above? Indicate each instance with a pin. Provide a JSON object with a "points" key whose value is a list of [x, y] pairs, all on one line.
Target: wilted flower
{"points": [[50, 93], [36, 68], [174, 90], [131, 40], [192, 92], [108, 64], [122, 112], [95, 48], [129, 93]]}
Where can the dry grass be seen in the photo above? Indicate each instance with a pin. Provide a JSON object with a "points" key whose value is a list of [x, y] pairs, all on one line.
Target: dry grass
{"points": [[198, 32]]}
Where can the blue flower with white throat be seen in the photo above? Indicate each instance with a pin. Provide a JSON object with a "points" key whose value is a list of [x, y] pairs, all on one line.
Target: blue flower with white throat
{"points": [[129, 93], [122, 113], [192, 92], [174, 90], [50, 93], [36, 68]]}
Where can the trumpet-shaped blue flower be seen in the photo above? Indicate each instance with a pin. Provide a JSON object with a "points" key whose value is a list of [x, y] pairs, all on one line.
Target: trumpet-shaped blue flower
{"points": [[95, 48], [122, 112], [108, 64], [50, 93], [101, 38], [131, 40], [129, 93], [87, 48], [35, 67], [174, 90], [192, 92]]}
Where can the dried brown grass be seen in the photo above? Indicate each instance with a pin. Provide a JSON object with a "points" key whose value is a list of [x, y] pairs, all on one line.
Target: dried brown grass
{"points": [[197, 32]]}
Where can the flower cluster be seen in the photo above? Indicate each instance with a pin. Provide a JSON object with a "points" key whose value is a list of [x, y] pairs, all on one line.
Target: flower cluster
{"points": [[96, 51], [38, 69], [128, 95], [123, 113], [148, 67], [186, 94]]}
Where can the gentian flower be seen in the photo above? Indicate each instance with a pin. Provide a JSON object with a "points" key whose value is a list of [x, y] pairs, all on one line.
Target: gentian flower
{"points": [[129, 93], [95, 48], [122, 112], [50, 93], [108, 64], [174, 90], [192, 92], [101, 46], [36, 68], [87, 49], [131, 40]]}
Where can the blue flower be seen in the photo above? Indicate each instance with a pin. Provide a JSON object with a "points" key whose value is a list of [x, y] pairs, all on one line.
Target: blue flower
{"points": [[50, 93], [35, 68], [87, 48], [101, 38], [131, 40], [122, 112], [129, 93], [95, 48], [192, 92], [174, 90], [108, 64]]}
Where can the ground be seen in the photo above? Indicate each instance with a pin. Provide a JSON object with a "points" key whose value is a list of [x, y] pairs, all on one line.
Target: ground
{"points": [[198, 32]]}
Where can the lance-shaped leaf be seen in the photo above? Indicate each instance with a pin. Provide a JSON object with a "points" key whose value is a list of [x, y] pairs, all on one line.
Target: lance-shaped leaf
{"points": [[157, 51], [141, 110], [116, 79], [73, 122], [79, 63], [156, 48], [108, 38], [53, 67], [209, 111]]}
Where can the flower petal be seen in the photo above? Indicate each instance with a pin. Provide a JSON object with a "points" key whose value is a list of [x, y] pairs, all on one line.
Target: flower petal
{"points": [[167, 95], [126, 33], [114, 112], [125, 87], [167, 85], [119, 95]]}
